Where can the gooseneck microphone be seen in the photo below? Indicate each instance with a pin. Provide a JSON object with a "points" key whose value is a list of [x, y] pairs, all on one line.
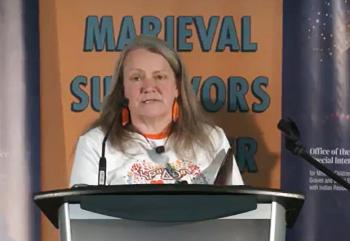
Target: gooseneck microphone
{"points": [[172, 172], [291, 136], [102, 166]]}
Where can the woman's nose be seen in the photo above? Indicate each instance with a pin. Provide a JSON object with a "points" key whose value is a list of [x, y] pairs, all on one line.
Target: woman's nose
{"points": [[148, 84]]}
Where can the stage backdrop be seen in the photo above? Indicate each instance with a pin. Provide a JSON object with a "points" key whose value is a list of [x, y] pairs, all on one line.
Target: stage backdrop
{"points": [[316, 94], [232, 51]]}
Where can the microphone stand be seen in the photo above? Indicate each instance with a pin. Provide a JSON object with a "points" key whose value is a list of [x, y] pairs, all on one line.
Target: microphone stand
{"points": [[291, 137], [102, 165]]}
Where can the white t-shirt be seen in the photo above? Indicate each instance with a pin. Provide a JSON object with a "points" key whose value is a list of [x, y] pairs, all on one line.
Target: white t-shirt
{"points": [[140, 164]]}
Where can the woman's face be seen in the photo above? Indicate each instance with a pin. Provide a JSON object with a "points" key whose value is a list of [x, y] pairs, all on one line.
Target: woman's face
{"points": [[149, 84]]}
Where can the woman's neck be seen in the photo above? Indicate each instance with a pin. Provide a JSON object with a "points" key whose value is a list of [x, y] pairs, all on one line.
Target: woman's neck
{"points": [[151, 126]]}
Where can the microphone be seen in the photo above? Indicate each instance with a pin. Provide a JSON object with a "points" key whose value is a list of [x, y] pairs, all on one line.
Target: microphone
{"points": [[291, 136], [160, 149], [172, 172], [102, 166], [289, 129]]}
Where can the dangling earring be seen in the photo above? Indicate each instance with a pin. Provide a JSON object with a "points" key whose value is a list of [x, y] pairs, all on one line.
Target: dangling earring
{"points": [[125, 116], [175, 111]]}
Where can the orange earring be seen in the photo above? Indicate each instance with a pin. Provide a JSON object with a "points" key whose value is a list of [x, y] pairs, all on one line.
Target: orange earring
{"points": [[175, 111], [125, 116]]}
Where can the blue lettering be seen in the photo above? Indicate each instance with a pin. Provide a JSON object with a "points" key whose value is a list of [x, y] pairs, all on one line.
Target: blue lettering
{"points": [[183, 33], [237, 89], [99, 35], [246, 148], [247, 45], [206, 35], [169, 31], [95, 93], [107, 80], [216, 84], [127, 32], [260, 94], [150, 25], [195, 84], [228, 36], [81, 95]]}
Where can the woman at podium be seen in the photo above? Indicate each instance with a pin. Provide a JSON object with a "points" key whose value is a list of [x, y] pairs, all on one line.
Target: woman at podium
{"points": [[157, 133]]}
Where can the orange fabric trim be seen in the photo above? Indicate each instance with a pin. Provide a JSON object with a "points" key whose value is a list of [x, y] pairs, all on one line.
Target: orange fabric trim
{"points": [[160, 135]]}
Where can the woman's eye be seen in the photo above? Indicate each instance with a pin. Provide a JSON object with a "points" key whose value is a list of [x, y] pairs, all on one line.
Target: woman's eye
{"points": [[160, 77], [135, 78]]}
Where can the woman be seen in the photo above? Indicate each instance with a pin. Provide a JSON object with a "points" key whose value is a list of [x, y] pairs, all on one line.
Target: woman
{"points": [[158, 133]]}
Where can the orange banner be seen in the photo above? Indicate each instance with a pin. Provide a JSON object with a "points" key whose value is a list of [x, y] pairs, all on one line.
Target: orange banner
{"points": [[232, 51]]}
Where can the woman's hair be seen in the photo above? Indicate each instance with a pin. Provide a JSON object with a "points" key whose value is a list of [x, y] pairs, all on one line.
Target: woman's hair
{"points": [[189, 130]]}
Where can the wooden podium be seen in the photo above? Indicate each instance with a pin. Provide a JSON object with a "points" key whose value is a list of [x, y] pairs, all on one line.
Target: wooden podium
{"points": [[170, 212]]}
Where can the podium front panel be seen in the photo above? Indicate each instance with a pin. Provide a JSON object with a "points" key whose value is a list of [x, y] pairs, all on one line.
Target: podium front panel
{"points": [[120, 230], [259, 224]]}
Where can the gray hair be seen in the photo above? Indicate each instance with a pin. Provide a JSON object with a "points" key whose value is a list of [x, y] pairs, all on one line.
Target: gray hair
{"points": [[190, 130]]}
